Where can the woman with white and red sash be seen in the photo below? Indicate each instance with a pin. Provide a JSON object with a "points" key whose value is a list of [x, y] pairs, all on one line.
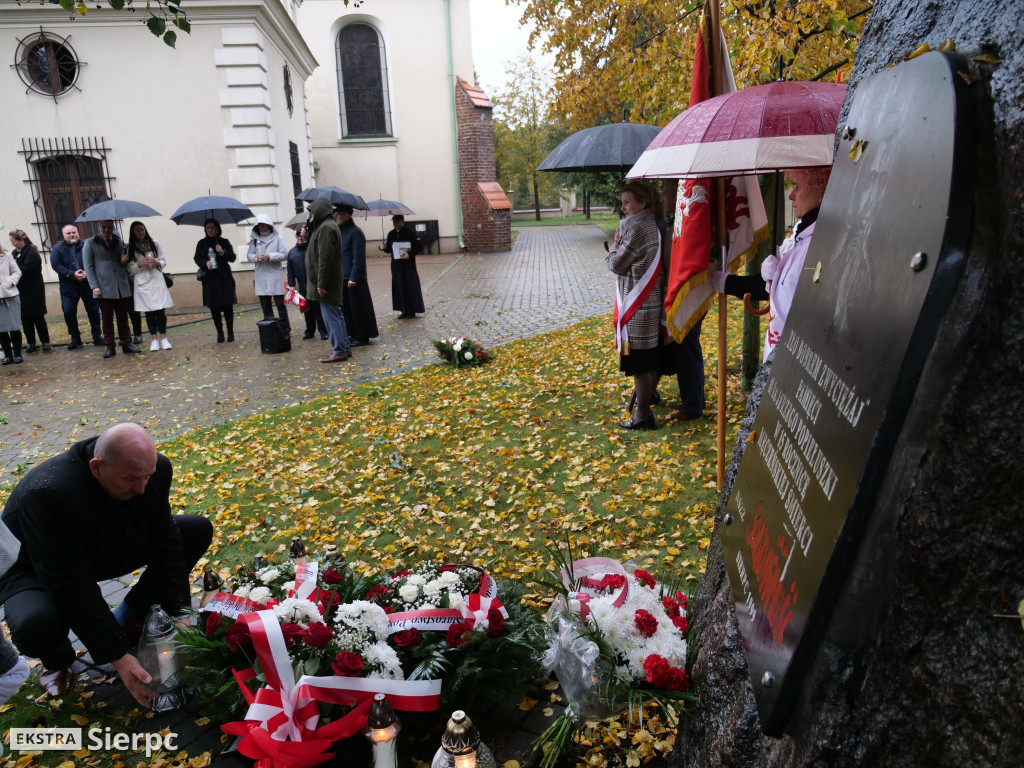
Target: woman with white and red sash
{"points": [[639, 298]]}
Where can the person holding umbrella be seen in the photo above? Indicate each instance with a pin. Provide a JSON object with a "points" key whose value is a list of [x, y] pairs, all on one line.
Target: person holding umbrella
{"points": [[214, 255], [267, 251], [147, 262], [32, 290], [326, 276], [106, 260], [406, 294], [780, 273], [358, 304]]}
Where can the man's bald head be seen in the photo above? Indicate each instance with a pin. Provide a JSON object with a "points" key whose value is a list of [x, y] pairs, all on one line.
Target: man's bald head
{"points": [[124, 458]]}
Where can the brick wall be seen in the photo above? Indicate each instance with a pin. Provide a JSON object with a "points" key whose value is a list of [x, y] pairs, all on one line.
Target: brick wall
{"points": [[487, 225]]}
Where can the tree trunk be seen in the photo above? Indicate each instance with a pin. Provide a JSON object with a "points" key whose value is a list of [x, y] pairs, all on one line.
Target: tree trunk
{"points": [[536, 199]]}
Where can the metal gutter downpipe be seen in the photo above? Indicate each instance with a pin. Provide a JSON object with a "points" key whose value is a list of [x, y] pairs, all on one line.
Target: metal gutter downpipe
{"points": [[455, 128]]}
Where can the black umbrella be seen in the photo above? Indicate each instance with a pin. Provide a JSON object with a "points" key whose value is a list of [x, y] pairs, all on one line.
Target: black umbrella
{"points": [[614, 147], [116, 210], [335, 195], [226, 210]]}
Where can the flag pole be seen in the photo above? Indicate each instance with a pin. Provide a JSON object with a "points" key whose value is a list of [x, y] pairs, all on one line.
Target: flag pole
{"points": [[717, 87]]}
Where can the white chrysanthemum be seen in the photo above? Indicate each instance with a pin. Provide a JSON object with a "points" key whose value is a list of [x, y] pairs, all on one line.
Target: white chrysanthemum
{"points": [[259, 594], [468, 355], [449, 578], [416, 579], [268, 575], [455, 600], [408, 592], [384, 660], [283, 612], [242, 591]]}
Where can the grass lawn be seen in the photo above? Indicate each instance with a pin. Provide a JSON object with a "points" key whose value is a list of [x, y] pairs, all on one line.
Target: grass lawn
{"points": [[609, 222], [489, 465]]}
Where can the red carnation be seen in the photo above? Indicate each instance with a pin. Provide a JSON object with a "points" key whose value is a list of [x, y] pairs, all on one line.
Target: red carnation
{"points": [[238, 635], [212, 623], [331, 576], [317, 634], [292, 634], [347, 664], [378, 590], [645, 622], [682, 600], [400, 574], [407, 638], [495, 622], [613, 581], [655, 668], [458, 634], [644, 578], [446, 568], [681, 624], [478, 354], [663, 675], [671, 606]]}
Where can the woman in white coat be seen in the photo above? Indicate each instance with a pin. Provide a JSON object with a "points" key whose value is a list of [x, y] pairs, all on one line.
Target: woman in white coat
{"points": [[146, 262], [268, 252]]}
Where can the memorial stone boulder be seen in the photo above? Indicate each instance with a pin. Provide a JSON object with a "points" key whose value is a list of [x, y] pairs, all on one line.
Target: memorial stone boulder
{"points": [[870, 532]]}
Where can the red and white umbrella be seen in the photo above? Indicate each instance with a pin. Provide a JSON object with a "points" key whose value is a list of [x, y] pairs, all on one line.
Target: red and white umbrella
{"points": [[766, 128]]}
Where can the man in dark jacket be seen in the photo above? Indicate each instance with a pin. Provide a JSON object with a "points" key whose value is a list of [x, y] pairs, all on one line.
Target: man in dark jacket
{"points": [[297, 280], [105, 260], [96, 512], [325, 275], [67, 261]]}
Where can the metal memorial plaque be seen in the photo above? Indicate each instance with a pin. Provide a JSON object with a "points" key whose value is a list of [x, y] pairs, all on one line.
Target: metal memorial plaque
{"points": [[885, 259]]}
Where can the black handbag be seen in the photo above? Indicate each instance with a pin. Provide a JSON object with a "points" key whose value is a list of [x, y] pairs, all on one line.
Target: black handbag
{"points": [[200, 273], [168, 280]]}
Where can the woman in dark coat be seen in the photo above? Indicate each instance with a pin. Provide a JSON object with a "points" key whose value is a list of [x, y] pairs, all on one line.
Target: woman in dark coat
{"points": [[32, 290], [359, 315], [406, 294], [213, 257]]}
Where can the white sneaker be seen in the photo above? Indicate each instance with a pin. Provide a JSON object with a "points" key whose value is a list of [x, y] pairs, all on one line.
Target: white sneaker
{"points": [[154, 346], [165, 344]]}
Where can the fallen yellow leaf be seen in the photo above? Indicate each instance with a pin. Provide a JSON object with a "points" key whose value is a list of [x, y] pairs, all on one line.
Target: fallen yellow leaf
{"points": [[527, 704]]}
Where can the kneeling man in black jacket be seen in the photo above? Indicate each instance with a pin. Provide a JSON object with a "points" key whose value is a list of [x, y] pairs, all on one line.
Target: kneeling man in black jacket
{"points": [[98, 511]]}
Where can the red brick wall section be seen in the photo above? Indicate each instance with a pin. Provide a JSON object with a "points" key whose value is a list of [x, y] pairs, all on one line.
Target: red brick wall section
{"points": [[484, 229]]}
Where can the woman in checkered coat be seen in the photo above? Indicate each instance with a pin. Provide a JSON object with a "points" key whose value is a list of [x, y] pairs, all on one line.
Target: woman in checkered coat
{"points": [[636, 260]]}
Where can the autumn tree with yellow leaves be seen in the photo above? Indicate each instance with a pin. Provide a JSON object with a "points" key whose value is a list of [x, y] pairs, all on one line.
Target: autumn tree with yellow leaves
{"points": [[632, 59]]}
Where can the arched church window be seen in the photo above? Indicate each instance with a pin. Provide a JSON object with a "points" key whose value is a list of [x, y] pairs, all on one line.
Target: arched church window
{"points": [[363, 82]]}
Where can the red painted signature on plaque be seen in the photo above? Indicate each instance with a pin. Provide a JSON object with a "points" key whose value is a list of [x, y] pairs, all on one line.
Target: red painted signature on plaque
{"points": [[777, 600]]}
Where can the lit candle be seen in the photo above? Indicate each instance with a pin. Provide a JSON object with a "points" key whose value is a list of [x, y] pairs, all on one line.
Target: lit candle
{"points": [[167, 666]]}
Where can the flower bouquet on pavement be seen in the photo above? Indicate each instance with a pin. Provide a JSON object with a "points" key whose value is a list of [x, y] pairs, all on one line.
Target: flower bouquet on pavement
{"points": [[460, 352], [616, 641]]}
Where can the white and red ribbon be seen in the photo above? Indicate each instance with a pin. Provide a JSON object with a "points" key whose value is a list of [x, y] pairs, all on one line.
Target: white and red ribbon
{"points": [[583, 571], [305, 580], [477, 608], [231, 606], [624, 310], [439, 619], [287, 709]]}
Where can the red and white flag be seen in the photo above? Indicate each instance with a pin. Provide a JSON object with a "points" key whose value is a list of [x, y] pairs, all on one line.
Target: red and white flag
{"points": [[689, 294]]}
